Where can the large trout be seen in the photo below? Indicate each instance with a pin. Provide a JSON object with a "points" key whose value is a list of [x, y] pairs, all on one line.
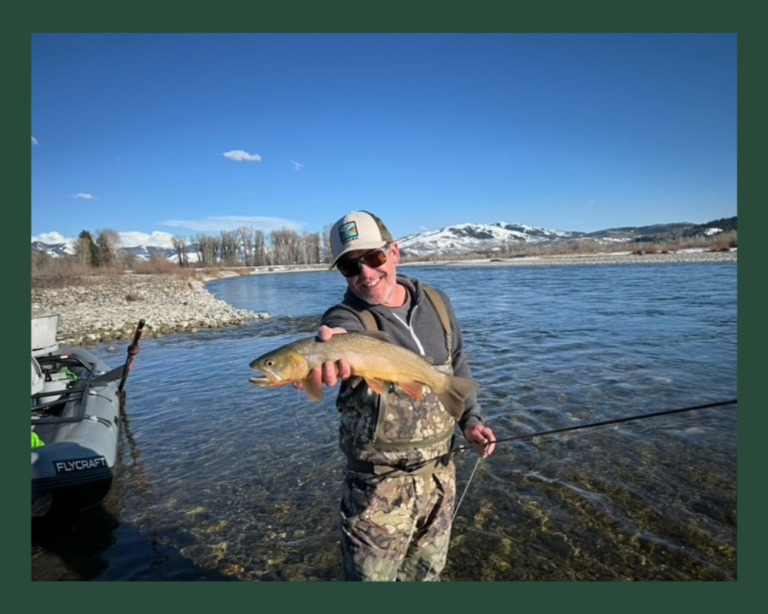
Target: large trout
{"points": [[373, 358]]}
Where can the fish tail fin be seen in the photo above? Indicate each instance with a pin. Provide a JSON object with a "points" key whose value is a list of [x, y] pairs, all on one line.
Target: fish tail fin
{"points": [[457, 391]]}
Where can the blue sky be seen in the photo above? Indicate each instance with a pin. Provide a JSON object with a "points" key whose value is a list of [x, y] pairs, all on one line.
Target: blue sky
{"points": [[190, 134]]}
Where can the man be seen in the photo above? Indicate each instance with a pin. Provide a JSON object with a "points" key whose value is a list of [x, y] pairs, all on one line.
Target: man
{"points": [[400, 488]]}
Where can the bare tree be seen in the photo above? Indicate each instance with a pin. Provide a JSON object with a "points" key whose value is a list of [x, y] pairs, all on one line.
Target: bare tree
{"points": [[180, 247], [127, 260], [198, 248], [259, 248], [285, 246], [312, 253], [325, 241], [229, 248], [207, 251], [246, 235]]}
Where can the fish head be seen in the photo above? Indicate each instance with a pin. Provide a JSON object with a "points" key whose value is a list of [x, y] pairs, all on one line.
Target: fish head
{"points": [[280, 367]]}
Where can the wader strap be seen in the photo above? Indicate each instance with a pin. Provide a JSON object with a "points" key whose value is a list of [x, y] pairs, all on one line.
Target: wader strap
{"points": [[442, 312], [395, 472], [369, 322], [403, 445]]}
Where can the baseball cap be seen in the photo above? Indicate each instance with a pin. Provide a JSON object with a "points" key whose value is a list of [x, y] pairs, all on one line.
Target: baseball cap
{"points": [[358, 230]]}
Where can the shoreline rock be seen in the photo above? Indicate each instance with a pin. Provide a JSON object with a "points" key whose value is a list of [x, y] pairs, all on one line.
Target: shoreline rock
{"points": [[101, 309]]}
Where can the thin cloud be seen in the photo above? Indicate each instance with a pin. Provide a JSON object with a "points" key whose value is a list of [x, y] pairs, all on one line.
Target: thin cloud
{"points": [[140, 239], [51, 238], [297, 166], [233, 222], [591, 202], [34, 141], [84, 196], [238, 155]]}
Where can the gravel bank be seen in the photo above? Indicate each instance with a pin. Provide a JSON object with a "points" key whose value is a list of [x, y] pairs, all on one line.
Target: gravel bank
{"points": [[681, 257], [108, 308]]}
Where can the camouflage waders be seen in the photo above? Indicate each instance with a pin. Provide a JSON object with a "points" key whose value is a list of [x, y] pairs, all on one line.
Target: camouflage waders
{"points": [[398, 496], [397, 528], [395, 523]]}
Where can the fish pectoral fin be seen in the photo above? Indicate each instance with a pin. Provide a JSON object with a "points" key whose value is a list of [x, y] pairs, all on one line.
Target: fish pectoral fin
{"points": [[313, 389], [375, 384], [413, 389]]}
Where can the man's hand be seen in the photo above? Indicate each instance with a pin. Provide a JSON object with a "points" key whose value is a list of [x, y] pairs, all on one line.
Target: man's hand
{"points": [[331, 372], [480, 436]]}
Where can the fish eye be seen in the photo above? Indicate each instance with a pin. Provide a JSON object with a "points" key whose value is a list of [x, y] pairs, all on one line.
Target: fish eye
{"points": [[270, 363]]}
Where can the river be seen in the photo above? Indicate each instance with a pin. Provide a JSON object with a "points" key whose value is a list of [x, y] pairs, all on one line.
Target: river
{"points": [[221, 480]]}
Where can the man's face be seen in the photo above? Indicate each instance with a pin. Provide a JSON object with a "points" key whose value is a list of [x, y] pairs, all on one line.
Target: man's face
{"points": [[375, 285]]}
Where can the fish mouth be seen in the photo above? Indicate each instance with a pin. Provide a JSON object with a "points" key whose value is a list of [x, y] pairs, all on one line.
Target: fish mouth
{"points": [[269, 378]]}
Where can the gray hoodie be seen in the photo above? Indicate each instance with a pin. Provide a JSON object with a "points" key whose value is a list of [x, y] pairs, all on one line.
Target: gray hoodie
{"points": [[420, 332]]}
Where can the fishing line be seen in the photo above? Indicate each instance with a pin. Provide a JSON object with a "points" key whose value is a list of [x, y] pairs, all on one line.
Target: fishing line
{"points": [[601, 423], [458, 505]]}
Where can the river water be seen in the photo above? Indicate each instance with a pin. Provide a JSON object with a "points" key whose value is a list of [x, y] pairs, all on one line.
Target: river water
{"points": [[221, 480]]}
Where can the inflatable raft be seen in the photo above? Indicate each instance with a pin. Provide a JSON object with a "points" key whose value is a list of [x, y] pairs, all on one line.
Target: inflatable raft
{"points": [[75, 422]]}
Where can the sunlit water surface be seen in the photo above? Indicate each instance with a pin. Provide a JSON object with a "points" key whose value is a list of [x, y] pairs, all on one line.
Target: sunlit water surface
{"points": [[221, 480]]}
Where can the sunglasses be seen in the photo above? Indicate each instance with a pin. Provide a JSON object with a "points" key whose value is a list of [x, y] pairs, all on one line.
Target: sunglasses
{"points": [[374, 259]]}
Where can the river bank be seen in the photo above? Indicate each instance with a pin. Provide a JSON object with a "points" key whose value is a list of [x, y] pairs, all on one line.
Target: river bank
{"points": [[100, 309]]}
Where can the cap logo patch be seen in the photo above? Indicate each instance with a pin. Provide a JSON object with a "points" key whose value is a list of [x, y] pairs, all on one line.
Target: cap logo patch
{"points": [[348, 232]]}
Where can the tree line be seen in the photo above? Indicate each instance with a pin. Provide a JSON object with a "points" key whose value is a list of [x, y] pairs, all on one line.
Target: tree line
{"points": [[246, 246]]}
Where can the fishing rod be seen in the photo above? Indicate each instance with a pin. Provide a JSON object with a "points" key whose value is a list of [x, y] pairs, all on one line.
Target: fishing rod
{"points": [[122, 371], [666, 412], [133, 349], [410, 467]]}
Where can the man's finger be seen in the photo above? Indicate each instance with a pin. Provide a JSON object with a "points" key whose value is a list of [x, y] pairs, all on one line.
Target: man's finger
{"points": [[330, 377], [345, 370]]}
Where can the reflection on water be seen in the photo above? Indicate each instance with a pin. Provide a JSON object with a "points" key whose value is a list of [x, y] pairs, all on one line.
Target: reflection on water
{"points": [[223, 480]]}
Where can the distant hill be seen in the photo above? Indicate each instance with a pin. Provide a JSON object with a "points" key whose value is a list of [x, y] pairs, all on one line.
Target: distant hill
{"points": [[141, 252], [464, 239], [666, 232]]}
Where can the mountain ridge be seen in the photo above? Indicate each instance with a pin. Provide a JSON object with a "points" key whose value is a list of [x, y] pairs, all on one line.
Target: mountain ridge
{"points": [[468, 238]]}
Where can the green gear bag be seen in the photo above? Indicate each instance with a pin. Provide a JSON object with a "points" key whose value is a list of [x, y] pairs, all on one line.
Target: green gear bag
{"points": [[36, 441]]}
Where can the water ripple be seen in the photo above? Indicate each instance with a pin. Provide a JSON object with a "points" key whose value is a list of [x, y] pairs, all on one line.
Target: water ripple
{"points": [[232, 481]]}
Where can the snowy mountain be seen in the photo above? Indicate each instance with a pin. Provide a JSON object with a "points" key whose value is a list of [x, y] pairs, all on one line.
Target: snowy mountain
{"points": [[141, 245], [57, 250], [452, 240], [474, 238], [501, 236]]}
